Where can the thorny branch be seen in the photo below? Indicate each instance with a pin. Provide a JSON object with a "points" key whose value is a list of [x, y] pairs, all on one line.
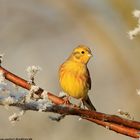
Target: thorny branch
{"points": [[111, 122]]}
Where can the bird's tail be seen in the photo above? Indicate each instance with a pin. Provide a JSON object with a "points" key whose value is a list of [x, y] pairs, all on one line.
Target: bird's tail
{"points": [[87, 102]]}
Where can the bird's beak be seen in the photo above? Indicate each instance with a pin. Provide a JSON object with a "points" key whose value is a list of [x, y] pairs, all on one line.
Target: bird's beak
{"points": [[90, 55]]}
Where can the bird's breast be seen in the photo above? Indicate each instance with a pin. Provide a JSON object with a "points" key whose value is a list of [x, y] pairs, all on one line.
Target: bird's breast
{"points": [[73, 80]]}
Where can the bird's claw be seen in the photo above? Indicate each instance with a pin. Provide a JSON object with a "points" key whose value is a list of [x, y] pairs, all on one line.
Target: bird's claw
{"points": [[66, 100]]}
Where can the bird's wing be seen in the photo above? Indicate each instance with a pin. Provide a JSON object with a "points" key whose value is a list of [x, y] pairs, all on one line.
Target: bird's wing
{"points": [[88, 79]]}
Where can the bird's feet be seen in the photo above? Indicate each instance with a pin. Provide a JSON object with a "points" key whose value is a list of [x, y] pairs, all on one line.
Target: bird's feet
{"points": [[81, 105], [65, 97], [66, 100]]}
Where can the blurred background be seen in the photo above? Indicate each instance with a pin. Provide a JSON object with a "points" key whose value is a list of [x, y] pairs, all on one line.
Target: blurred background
{"points": [[44, 32]]}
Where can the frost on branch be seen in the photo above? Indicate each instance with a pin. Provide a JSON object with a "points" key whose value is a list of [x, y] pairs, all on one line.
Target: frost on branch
{"points": [[32, 71], [25, 103], [23, 100], [125, 114], [2, 78], [136, 30], [9, 100], [1, 58], [44, 94], [31, 93], [16, 116], [62, 94], [3, 84]]}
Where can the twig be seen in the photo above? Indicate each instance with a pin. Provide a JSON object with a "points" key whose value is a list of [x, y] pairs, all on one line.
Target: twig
{"points": [[112, 122]]}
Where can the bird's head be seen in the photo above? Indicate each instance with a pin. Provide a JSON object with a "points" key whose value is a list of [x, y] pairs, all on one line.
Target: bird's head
{"points": [[81, 54]]}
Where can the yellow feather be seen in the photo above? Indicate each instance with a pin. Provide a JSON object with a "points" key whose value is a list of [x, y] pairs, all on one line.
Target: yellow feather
{"points": [[74, 76], [73, 79]]}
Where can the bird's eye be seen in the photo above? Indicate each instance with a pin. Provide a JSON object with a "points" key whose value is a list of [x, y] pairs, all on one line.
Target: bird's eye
{"points": [[82, 52]]}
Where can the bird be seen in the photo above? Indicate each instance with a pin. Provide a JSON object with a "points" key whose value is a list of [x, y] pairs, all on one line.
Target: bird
{"points": [[74, 76]]}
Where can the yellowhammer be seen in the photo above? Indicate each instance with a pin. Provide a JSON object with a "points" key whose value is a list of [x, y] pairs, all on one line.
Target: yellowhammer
{"points": [[74, 76]]}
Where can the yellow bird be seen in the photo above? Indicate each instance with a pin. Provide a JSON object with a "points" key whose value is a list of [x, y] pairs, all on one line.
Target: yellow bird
{"points": [[74, 75]]}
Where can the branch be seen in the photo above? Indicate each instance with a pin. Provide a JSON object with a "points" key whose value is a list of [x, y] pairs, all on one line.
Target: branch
{"points": [[112, 122]]}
